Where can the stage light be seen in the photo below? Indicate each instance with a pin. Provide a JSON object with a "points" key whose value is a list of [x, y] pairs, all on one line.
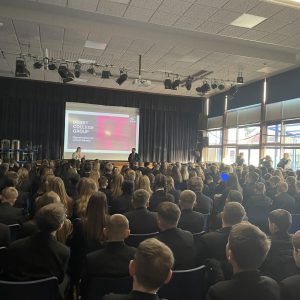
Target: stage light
{"points": [[221, 86], [175, 84], [21, 69], [91, 70], [240, 78], [51, 65], [37, 65], [65, 73], [188, 83], [105, 74], [214, 85], [122, 78], [168, 84], [77, 71], [204, 88]]}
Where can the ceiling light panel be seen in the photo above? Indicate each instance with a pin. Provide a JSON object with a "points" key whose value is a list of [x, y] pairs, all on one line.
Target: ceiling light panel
{"points": [[291, 3], [247, 21], [95, 45]]}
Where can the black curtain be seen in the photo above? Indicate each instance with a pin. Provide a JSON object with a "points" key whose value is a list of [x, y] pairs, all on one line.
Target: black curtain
{"points": [[34, 111]]}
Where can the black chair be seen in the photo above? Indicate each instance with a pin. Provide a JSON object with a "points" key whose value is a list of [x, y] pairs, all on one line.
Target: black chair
{"points": [[14, 231], [295, 223], [185, 285], [135, 239], [3, 253], [97, 287], [46, 289]]}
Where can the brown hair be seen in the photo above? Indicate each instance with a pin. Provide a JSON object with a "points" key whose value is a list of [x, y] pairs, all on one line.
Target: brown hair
{"points": [[140, 198], [169, 213], [296, 240], [233, 213], [116, 186], [45, 199], [281, 218]]}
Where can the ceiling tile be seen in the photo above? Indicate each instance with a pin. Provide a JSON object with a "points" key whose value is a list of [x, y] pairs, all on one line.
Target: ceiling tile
{"points": [[253, 35], [213, 3], [75, 37], [290, 29], [90, 5], [148, 4], [177, 7], [233, 31], [240, 5], [211, 27], [54, 2], [270, 25], [273, 38], [224, 16], [200, 12], [111, 8], [163, 18], [188, 23], [264, 9], [139, 13]]}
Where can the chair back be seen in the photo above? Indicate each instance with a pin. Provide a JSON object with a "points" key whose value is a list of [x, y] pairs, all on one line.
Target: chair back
{"points": [[99, 286], [185, 284], [46, 289], [3, 253], [135, 239], [14, 231], [295, 223]]}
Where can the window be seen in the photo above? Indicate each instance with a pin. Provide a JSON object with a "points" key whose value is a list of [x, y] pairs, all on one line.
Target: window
{"points": [[254, 157], [229, 155], [292, 133], [274, 153], [213, 154], [248, 135], [231, 136], [273, 133], [294, 156], [214, 137]]}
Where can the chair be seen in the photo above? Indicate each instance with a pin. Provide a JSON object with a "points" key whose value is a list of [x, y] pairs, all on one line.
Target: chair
{"points": [[14, 231], [197, 236], [295, 223], [135, 239], [97, 287], [185, 284], [46, 289], [3, 251]]}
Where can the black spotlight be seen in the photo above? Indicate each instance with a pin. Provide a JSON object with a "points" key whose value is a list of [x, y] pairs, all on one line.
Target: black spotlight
{"points": [[37, 65], [65, 73], [233, 90], [123, 77], [21, 69], [168, 84], [77, 72], [105, 74], [188, 83], [204, 88], [91, 70], [175, 84], [221, 86], [214, 86], [52, 66]]}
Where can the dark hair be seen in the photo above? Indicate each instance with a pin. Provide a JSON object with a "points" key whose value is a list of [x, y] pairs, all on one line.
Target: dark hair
{"points": [[233, 213], [253, 176], [176, 175], [128, 187], [281, 218], [169, 212], [160, 181], [235, 196], [260, 188]]}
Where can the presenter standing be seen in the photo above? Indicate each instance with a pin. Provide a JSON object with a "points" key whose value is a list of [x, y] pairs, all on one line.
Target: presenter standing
{"points": [[133, 158], [77, 155]]}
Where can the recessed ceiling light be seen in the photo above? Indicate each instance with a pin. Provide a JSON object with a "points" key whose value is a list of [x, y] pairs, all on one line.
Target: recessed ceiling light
{"points": [[247, 21], [86, 61], [1, 24], [266, 70], [189, 59], [95, 45], [120, 1], [291, 3]]}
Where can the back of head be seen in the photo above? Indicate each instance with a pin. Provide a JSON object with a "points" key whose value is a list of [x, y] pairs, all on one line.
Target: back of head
{"points": [[248, 245], [50, 217], [187, 199], [274, 180], [195, 184], [282, 220], [128, 187], [233, 213], [160, 181], [291, 180], [296, 244], [45, 199], [153, 264], [109, 167], [9, 194], [234, 196], [168, 213], [253, 177], [282, 187], [260, 188], [117, 228], [103, 181], [12, 178], [140, 198], [130, 175]]}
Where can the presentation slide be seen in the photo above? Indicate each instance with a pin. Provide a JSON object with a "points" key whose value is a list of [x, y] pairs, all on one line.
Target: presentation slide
{"points": [[103, 132]]}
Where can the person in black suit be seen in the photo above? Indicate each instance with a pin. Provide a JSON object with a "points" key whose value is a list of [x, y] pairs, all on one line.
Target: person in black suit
{"points": [[190, 220], [204, 204], [180, 242], [40, 256], [246, 250], [283, 200], [290, 286], [279, 262], [8, 214], [133, 158], [123, 203], [4, 235], [141, 220], [151, 268], [160, 194]]}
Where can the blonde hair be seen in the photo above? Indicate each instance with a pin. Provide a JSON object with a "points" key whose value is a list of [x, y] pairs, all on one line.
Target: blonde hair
{"points": [[86, 187], [9, 194], [144, 184], [116, 186], [184, 173], [138, 175], [95, 175]]}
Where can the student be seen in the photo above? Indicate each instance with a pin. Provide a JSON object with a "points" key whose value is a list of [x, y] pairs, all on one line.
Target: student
{"points": [[283, 200], [151, 268], [246, 250], [179, 241], [290, 287]]}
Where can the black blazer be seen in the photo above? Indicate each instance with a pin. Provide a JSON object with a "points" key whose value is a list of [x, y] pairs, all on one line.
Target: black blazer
{"points": [[142, 221], [191, 221], [11, 215], [37, 257], [247, 286], [121, 204], [4, 235], [158, 197], [290, 288], [284, 201], [182, 245], [204, 204], [134, 295]]}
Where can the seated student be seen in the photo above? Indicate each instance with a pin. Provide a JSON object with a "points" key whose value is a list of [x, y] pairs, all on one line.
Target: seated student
{"points": [[290, 286], [180, 242], [123, 203], [279, 262], [8, 213], [113, 260], [234, 196], [283, 200], [141, 220], [246, 250], [190, 220], [151, 268], [4, 235], [103, 187], [259, 207], [249, 187], [40, 256]]}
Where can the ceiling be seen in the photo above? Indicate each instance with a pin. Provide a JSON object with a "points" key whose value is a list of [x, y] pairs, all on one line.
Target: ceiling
{"points": [[177, 36]]}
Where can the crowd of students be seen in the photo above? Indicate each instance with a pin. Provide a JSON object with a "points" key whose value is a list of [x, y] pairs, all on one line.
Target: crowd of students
{"points": [[75, 219]]}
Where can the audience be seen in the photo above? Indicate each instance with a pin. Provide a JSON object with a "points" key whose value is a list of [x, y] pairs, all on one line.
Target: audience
{"points": [[179, 241], [282, 199], [4, 236], [246, 250], [123, 203]]}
